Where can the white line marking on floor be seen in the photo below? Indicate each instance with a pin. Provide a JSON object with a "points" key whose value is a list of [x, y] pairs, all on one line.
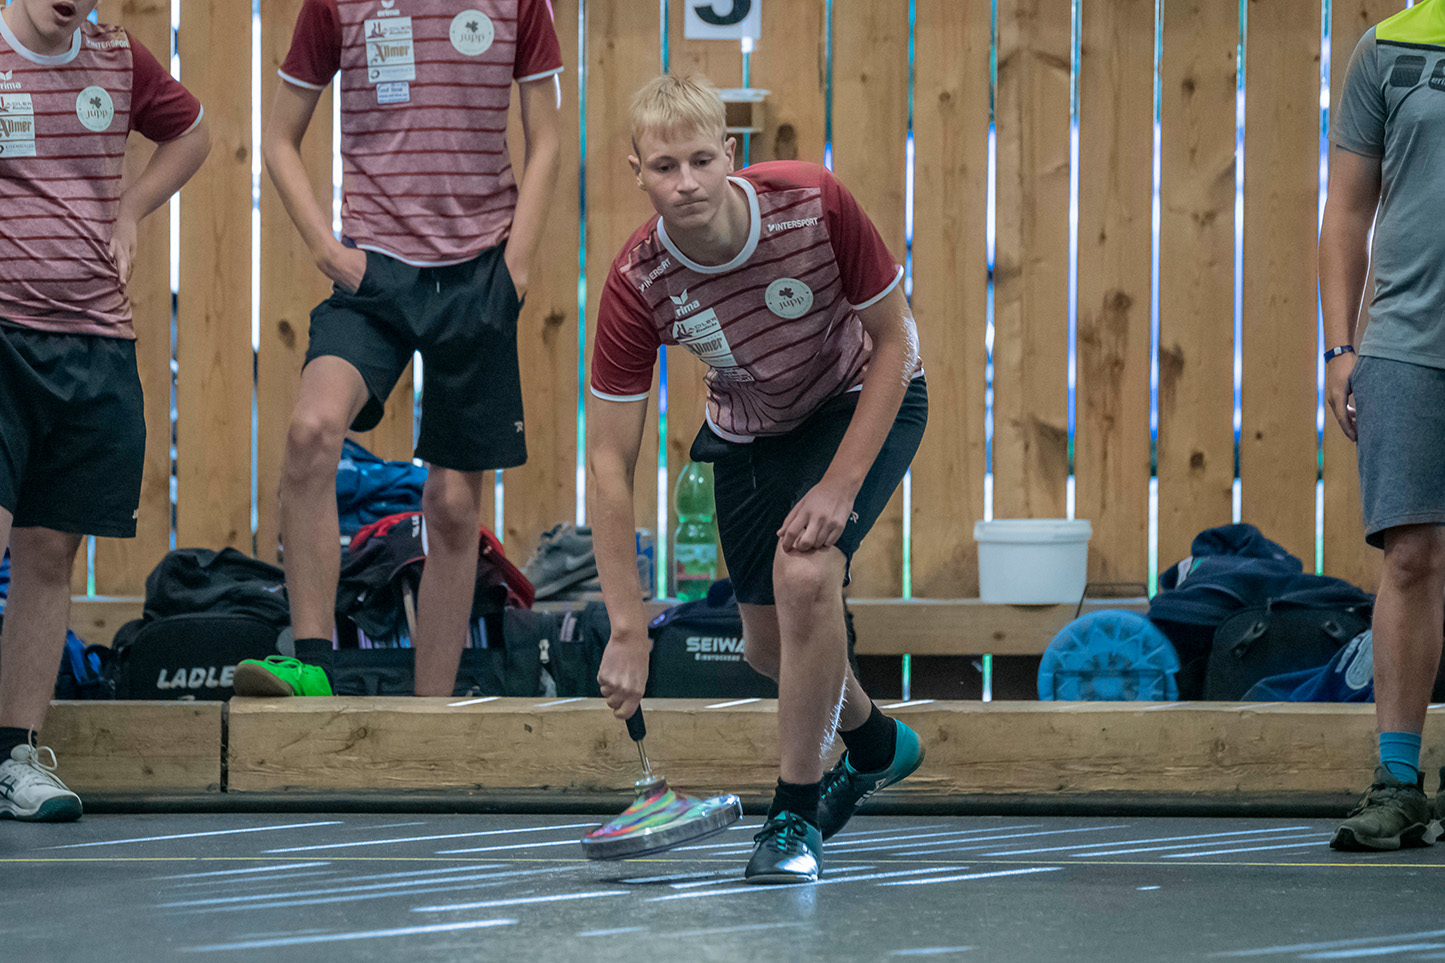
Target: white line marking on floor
{"points": [[278, 901], [239, 872], [672, 878], [558, 702], [730, 878], [1156, 839], [1331, 945], [729, 705], [1146, 889], [341, 937], [1372, 951], [429, 839], [718, 930], [472, 702], [214, 832], [1316, 841], [460, 877], [955, 879], [748, 888], [1156, 849], [986, 840], [521, 901], [619, 930], [911, 702], [930, 951], [372, 829], [839, 840], [494, 849], [205, 884]]}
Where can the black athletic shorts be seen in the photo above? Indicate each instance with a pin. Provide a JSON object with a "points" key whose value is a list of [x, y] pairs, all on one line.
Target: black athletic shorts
{"points": [[72, 432], [756, 483], [463, 320]]}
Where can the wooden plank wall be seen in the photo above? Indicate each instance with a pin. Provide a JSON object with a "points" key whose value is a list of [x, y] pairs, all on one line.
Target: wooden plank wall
{"points": [[952, 97]]}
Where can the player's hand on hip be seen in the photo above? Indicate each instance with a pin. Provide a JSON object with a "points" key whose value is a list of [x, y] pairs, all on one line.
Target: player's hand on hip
{"points": [[1338, 393], [622, 677], [122, 247], [818, 518], [346, 266], [517, 268]]}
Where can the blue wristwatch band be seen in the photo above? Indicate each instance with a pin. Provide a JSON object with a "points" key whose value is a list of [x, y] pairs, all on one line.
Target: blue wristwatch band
{"points": [[1336, 352]]}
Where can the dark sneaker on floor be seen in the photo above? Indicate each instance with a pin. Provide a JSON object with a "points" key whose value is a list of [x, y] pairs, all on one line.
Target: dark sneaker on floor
{"points": [[563, 557], [279, 675], [1392, 814], [30, 790], [1438, 828], [789, 849], [844, 789]]}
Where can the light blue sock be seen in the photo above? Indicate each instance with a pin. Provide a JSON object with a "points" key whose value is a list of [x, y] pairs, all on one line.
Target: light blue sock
{"points": [[1400, 753]]}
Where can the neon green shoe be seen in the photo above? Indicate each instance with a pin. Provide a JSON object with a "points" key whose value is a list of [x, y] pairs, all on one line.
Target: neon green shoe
{"points": [[279, 675]]}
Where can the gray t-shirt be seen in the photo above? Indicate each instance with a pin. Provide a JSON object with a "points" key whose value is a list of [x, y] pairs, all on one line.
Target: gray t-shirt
{"points": [[1393, 107]]}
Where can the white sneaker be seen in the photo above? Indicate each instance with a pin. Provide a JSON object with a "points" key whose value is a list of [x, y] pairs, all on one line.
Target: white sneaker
{"points": [[29, 789]]}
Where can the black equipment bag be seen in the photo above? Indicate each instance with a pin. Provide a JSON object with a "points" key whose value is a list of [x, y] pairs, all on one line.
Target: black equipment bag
{"points": [[697, 652], [1277, 637], [189, 656]]}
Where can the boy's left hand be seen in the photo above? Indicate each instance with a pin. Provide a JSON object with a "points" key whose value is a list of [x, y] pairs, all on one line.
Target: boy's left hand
{"points": [[818, 519], [517, 270], [122, 247]]}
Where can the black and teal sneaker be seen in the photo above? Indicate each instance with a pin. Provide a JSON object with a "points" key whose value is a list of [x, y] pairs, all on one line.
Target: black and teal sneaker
{"points": [[1392, 814], [789, 849], [844, 788]]}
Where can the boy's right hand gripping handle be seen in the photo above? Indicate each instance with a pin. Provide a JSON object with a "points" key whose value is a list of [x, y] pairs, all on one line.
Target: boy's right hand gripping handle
{"points": [[636, 728]]}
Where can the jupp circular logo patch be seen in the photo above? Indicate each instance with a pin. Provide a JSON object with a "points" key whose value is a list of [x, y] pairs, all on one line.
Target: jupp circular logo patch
{"points": [[472, 32], [789, 298], [95, 108]]}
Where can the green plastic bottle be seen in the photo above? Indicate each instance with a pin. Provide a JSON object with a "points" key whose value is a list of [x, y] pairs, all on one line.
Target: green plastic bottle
{"points": [[694, 542]]}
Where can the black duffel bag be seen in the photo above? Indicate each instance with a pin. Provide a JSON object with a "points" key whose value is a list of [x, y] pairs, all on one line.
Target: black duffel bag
{"points": [[1285, 634]]}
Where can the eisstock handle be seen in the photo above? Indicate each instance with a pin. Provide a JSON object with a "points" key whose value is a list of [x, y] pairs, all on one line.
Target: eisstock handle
{"points": [[636, 727]]}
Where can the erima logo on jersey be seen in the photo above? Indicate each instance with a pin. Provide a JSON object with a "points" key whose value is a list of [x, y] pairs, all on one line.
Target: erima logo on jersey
{"points": [[684, 308], [789, 225], [6, 83], [388, 9], [655, 274]]}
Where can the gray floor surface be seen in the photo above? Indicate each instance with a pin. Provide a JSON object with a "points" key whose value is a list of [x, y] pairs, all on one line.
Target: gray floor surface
{"points": [[515, 888]]}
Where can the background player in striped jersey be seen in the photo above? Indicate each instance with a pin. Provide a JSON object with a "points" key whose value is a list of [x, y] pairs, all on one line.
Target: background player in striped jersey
{"points": [[436, 241], [72, 427], [816, 403]]}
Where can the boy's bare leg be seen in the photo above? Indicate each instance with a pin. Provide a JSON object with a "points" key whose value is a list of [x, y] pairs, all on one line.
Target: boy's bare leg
{"points": [[762, 643], [332, 395], [450, 503], [36, 615]]}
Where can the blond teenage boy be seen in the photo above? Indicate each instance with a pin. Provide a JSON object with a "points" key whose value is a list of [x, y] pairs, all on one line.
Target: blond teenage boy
{"points": [[778, 282]]}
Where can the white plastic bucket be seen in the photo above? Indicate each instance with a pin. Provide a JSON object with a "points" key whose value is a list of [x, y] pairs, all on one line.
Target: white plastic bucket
{"points": [[1032, 561]]}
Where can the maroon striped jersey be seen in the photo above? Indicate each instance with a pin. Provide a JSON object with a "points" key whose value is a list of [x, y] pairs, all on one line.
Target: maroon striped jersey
{"points": [[64, 119], [425, 88], [777, 326]]}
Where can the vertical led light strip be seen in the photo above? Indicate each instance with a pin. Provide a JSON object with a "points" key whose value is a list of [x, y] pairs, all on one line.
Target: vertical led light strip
{"points": [[1072, 378], [581, 491], [908, 188], [663, 540], [1155, 214], [990, 226], [1324, 183], [171, 484], [1238, 353], [828, 84], [255, 265]]}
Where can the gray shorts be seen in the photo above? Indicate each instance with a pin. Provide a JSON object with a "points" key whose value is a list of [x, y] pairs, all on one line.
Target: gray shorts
{"points": [[1400, 417]]}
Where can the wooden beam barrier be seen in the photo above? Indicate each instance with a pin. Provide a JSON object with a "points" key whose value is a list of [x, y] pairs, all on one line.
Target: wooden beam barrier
{"points": [[159, 749], [1039, 753]]}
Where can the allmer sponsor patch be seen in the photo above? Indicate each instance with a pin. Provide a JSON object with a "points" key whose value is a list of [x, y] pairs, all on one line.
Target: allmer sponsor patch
{"points": [[389, 53], [17, 126], [703, 335]]}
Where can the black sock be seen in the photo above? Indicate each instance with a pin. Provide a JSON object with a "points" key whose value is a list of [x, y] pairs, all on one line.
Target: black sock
{"points": [[871, 745], [796, 798], [10, 737]]}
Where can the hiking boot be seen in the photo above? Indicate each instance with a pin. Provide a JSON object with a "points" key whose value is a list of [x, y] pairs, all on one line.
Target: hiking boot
{"points": [[30, 790], [279, 675], [1391, 814], [789, 849], [563, 557], [844, 788]]}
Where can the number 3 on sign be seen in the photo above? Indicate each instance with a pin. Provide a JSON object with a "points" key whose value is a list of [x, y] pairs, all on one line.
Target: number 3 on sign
{"points": [[723, 19]]}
